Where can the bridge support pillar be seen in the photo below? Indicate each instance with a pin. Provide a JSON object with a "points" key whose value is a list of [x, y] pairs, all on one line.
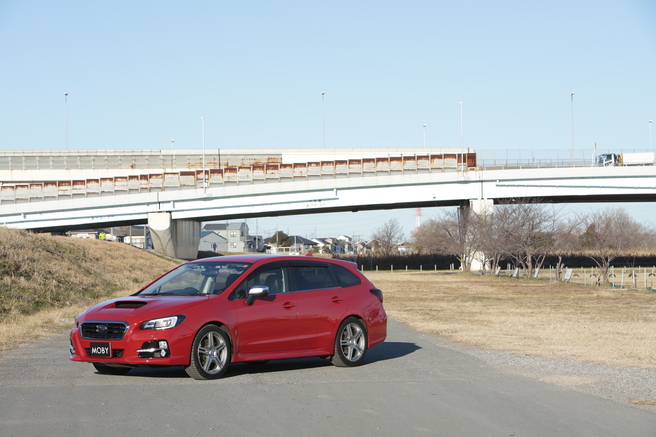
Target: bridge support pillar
{"points": [[174, 238], [479, 207]]}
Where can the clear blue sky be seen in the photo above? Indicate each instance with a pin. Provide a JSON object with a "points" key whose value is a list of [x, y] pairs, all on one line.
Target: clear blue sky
{"points": [[140, 74]]}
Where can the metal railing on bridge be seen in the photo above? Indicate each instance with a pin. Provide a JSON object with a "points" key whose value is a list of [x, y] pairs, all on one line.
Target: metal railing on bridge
{"points": [[190, 170], [259, 173]]}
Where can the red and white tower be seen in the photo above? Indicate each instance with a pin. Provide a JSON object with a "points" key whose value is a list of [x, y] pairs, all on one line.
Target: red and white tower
{"points": [[417, 218]]}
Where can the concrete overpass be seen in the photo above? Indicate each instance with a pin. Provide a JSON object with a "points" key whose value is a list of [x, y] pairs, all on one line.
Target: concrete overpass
{"points": [[173, 191]]}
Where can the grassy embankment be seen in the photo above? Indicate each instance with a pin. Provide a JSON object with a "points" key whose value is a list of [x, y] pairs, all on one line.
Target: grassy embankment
{"points": [[46, 281]]}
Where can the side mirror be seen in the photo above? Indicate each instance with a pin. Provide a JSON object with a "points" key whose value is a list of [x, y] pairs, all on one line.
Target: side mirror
{"points": [[255, 292]]}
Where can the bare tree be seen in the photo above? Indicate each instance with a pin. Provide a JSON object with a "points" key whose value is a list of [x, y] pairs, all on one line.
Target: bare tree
{"points": [[609, 234], [490, 244], [526, 232], [427, 237], [566, 242], [450, 234], [387, 235]]}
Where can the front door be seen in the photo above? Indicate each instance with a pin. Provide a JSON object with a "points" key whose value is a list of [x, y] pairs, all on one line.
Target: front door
{"points": [[270, 323]]}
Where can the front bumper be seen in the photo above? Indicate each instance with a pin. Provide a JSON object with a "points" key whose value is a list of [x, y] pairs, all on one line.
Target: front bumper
{"points": [[138, 347]]}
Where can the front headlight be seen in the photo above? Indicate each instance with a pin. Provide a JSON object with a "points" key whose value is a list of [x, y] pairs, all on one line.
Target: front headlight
{"points": [[163, 323]]}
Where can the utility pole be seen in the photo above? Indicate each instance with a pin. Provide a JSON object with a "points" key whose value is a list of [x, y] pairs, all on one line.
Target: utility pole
{"points": [[323, 121], [571, 95], [66, 118]]}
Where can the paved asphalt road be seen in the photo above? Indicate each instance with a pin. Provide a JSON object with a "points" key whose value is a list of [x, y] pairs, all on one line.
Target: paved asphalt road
{"points": [[409, 386]]}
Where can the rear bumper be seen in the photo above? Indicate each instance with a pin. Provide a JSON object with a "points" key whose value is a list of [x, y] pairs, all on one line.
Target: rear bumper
{"points": [[377, 329]]}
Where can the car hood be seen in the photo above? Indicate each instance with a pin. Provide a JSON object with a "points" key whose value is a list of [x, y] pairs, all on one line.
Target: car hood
{"points": [[141, 307]]}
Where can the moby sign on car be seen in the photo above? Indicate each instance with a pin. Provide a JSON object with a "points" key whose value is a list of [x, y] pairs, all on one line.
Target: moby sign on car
{"points": [[208, 313]]}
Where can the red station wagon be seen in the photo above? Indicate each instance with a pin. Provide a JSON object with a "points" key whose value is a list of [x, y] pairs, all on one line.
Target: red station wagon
{"points": [[208, 313]]}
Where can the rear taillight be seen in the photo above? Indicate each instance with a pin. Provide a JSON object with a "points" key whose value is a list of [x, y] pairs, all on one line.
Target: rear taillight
{"points": [[376, 292]]}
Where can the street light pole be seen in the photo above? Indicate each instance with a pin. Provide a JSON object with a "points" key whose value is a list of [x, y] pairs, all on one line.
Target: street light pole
{"points": [[424, 136], [66, 118], [202, 123], [323, 121], [172, 141], [462, 143], [650, 135], [571, 95]]}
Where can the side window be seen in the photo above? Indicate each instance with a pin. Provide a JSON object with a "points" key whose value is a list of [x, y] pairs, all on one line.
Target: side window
{"points": [[313, 277], [276, 279], [346, 277]]}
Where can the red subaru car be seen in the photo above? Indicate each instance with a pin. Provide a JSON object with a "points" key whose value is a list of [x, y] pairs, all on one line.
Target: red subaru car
{"points": [[207, 313]]}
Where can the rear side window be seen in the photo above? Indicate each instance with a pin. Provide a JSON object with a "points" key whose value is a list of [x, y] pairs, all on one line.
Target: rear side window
{"points": [[313, 277], [346, 277]]}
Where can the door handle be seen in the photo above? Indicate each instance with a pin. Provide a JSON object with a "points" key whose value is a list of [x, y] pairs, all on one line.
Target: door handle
{"points": [[337, 299], [288, 305]]}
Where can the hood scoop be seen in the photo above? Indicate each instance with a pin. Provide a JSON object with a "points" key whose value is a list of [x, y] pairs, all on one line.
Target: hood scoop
{"points": [[129, 304]]}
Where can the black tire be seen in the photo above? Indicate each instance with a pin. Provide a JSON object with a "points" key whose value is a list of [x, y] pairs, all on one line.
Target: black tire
{"points": [[350, 343], [111, 370], [210, 353]]}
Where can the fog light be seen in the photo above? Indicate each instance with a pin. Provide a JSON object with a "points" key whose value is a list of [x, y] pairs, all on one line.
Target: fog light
{"points": [[154, 349], [71, 348], [164, 348]]}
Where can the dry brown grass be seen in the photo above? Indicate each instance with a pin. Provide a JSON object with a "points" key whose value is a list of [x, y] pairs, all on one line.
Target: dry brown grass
{"points": [[553, 320], [21, 329]]}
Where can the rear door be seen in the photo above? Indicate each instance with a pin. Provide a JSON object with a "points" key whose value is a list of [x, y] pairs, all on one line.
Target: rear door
{"points": [[322, 304]]}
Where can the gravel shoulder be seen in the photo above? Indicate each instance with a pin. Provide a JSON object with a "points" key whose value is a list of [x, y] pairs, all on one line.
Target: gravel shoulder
{"points": [[635, 386]]}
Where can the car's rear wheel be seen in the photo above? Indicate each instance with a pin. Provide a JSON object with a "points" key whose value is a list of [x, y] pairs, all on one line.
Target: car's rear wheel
{"points": [[210, 353], [350, 343], [111, 370]]}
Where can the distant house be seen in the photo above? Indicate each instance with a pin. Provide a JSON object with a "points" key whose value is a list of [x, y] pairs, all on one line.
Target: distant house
{"points": [[323, 245], [345, 244], [210, 241], [341, 244], [362, 247], [405, 247], [236, 235], [84, 233], [298, 245], [137, 236]]}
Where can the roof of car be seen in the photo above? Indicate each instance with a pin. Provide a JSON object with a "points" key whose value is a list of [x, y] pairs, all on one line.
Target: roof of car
{"points": [[259, 257]]}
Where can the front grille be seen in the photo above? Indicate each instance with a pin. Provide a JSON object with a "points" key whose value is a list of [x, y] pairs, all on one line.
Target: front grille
{"points": [[103, 330], [116, 353]]}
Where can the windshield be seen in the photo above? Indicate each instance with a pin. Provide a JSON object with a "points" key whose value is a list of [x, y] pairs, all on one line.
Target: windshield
{"points": [[197, 279]]}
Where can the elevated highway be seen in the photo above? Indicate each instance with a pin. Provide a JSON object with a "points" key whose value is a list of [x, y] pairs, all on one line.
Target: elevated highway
{"points": [[174, 191]]}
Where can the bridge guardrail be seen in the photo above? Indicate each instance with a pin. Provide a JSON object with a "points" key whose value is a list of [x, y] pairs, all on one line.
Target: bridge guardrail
{"points": [[264, 169], [226, 176]]}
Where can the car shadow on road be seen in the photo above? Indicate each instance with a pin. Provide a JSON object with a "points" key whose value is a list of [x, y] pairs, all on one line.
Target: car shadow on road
{"points": [[390, 350], [383, 352]]}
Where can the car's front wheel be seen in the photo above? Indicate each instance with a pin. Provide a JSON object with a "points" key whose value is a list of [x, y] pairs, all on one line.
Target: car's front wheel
{"points": [[210, 353], [111, 370], [350, 343]]}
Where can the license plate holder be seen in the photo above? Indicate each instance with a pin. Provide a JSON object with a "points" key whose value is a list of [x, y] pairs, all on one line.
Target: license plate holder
{"points": [[103, 350]]}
